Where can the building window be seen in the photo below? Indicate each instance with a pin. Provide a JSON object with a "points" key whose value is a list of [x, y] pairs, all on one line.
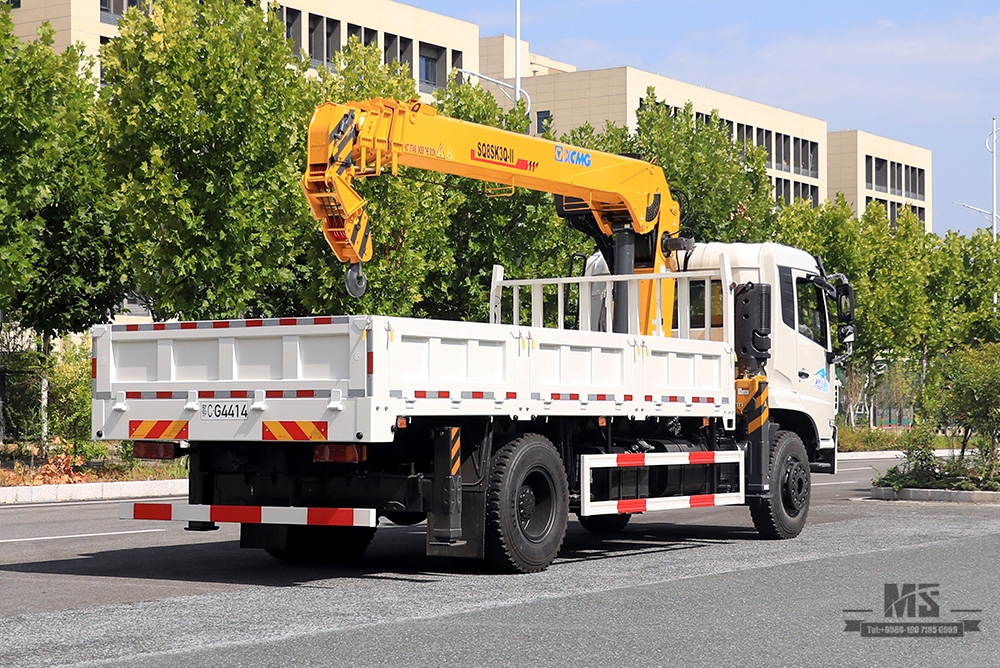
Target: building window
{"points": [[428, 71], [15, 4], [332, 39], [783, 191], [456, 64], [371, 36], [896, 178], [431, 68], [881, 175], [406, 54], [390, 48], [112, 10], [543, 122], [764, 139], [293, 28], [813, 161], [869, 173], [782, 152]]}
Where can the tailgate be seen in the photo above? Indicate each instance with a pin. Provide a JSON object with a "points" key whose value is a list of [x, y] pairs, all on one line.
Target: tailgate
{"points": [[282, 379]]}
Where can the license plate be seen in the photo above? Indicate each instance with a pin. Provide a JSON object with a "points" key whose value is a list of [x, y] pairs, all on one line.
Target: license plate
{"points": [[225, 410]]}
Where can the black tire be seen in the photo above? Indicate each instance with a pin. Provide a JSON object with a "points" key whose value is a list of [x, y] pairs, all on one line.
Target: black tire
{"points": [[404, 519], [324, 545], [783, 513], [604, 523], [527, 505]]}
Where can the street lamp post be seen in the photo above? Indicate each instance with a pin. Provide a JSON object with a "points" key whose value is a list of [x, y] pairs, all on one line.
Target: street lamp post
{"points": [[517, 63], [991, 146]]}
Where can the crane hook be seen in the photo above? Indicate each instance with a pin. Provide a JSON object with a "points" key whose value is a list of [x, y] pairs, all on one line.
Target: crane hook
{"points": [[355, 280]]}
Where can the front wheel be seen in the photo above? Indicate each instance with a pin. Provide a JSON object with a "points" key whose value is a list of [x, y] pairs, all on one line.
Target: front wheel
{"points": [[527, 505], [782, 514]]}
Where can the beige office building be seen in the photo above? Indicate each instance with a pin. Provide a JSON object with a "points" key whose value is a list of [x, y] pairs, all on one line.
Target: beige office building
{"points": [[868, 168], [563, 98], [430, 44]]}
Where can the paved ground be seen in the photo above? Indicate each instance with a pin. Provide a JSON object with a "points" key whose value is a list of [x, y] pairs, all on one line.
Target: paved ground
{"points": [[695, 588]]}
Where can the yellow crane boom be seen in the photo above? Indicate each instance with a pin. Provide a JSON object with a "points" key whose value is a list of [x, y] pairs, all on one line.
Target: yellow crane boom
{"points": [[629, 199]]}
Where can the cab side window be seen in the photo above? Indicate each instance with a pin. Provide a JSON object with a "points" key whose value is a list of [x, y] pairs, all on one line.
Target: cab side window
{"points": [[811, 312]]}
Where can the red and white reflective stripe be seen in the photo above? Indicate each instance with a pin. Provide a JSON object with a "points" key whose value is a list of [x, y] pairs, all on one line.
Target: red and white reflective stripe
{"points": [[672, 458], [463, 394], [564, 396], [663, 503], [183, 512], [702, 400], [630, 459], [227, 324]]}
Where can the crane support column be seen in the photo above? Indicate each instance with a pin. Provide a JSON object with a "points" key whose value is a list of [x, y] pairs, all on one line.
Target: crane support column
{"points": [[624, 265]]}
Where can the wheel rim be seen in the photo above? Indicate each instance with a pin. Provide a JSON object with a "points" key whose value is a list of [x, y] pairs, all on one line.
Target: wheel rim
{"points": [[795, 486], [535, 505]]}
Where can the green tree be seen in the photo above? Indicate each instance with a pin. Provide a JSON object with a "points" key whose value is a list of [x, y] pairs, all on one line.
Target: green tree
{"points": [[60, 257], [971, 397], [205, 111]]}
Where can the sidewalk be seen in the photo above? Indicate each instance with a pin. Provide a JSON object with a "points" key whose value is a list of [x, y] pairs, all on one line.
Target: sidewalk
{"points": [[92, 491], [887, 454]]}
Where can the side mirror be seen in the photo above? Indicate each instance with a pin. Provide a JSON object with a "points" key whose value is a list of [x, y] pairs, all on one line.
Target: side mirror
{"points": [[846, 334], [845, 305]]}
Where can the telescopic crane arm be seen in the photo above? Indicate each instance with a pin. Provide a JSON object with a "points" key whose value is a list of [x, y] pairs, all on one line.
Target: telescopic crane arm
{"points": [[628, 199]]}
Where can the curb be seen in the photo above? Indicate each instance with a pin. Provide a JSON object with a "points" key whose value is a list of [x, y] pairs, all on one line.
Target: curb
{"points": [[889, 454], [948, 495], [92, 491]]}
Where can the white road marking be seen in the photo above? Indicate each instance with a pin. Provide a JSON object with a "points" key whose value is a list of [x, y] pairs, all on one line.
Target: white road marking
{"points": [[80, 535], [845, 482], [863, 468]]}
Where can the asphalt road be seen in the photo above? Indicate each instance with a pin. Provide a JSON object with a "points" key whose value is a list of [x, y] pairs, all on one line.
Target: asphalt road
{"points": [[692, 588]]}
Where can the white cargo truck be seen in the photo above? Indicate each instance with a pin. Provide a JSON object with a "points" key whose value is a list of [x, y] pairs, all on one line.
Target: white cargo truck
{"points": [[307, 430]]}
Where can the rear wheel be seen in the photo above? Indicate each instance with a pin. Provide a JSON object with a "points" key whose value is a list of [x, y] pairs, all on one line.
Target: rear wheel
{"points": [[527, 505], [604, 523], [783, 513], [324, 545]]}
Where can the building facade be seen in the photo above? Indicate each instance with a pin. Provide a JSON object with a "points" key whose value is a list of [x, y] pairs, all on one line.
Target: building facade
{"points": [[867, 168], [429, 44]]}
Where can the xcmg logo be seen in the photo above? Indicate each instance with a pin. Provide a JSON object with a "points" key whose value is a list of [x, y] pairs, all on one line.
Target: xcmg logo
{"points": [[572, 156]]}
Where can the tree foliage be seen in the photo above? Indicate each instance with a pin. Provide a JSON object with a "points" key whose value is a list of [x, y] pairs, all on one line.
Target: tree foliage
{"points": [[971, 392], [204, 115], [60, 257]]}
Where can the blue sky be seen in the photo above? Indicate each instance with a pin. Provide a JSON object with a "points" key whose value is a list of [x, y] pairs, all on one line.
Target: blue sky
{"points": [[927, 73]]}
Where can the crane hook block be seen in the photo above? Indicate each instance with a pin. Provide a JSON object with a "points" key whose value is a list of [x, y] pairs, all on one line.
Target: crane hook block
{"points": [[355, 280]]}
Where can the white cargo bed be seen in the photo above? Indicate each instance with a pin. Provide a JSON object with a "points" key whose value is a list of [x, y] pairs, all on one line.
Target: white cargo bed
{"points": [[348, 378]]}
